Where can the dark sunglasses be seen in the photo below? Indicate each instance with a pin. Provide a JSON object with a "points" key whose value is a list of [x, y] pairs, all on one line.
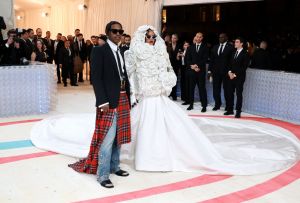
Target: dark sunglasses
{"points": [[115, 31], [151, 36]]}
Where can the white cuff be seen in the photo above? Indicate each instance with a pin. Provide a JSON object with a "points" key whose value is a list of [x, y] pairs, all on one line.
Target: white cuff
{"points": [[209, 71], [7, 45], [229, 71], [103, 105]]}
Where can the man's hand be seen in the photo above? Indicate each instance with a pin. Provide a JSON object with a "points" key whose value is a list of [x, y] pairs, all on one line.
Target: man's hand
{"points": [[60, 65], [231, 75], [104, 108], [10, 40]]}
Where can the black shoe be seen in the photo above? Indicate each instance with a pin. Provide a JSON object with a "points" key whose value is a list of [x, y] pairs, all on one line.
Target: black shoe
{"points": [[107, 184], [174, 98], [185, 103], [216, 108], [80, 80], [238, 114], [227, 113], [190, 107], [122, 173], [203, 110], [58, 82], [74, 85]]}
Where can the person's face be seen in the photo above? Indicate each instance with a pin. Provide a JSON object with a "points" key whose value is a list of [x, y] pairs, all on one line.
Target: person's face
{"points": [[63, 38], [31, 34], [186, 45], [150, 37], [39, 45], [77, 32], [127, 40], [123, 40], [174, 39], [101, 42], [67, 44], [70, 37], [222, 38], [58, 37], [167, 38], [88, 42], [94, 40], [25, 35], [80, 37], [238, 44], [263, 45], [39, 32], [48, 34], [199, 38], [12, 35], [115, 33]]}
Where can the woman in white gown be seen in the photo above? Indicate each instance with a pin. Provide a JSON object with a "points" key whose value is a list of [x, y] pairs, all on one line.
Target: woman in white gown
{"points": [[165, 138]]}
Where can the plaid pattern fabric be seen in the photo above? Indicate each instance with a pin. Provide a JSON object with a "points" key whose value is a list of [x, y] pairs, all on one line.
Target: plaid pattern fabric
{"points": [[103, 123]]}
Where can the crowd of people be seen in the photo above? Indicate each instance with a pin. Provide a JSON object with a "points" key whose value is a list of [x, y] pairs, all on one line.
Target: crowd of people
{"points": [[68, 53], [193, 63]]}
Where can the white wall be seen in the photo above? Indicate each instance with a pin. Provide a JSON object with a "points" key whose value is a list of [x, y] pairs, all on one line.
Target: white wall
{"points": [[7, 12], [186, 2]]}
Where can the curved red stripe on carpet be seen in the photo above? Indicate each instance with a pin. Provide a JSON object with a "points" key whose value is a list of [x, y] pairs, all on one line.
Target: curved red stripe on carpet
{"points": [[4, 160], [201, 180], [19, 122], [262, 189]]}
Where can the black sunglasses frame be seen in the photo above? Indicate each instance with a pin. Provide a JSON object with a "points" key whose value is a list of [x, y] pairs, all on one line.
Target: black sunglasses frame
{"points": [[115, 31]]}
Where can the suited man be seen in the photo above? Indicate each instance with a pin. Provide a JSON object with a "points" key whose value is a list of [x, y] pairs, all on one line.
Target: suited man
{"points": [[49, 45], [236, 76], [57, 45], [174, 48], [24, 45], [65, 57], [261, 58], [219, 63], [39, 34], [2, 27], [79, 47], [126, 44], [111, 87], [197, 56], [181, 56], [10, 49]]}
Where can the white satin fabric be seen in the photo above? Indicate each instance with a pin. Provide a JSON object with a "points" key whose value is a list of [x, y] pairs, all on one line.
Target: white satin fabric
{"points": [[165, 138]]}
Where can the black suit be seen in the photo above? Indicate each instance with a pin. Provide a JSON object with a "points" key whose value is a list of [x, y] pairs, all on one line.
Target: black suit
{"points": [[176, 66], [26, 48], [50, 51], [105, 77], [219, 63], [261, 59], [10, 54], [123, 49], [60, 45], [238, 66], [66, 59], [197, 78], [81, 51], [2, 27]]}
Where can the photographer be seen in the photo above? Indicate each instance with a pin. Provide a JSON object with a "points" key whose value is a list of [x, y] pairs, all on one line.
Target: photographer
{"points": [[10, 49]]}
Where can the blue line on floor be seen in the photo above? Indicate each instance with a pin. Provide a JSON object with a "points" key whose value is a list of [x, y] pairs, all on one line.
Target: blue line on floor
{"points": [[15, 144]]}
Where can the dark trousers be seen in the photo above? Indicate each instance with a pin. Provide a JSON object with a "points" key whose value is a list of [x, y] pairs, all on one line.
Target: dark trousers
{"points": [[58, 73], [198, 79], [183, 84], [174, 89], [235, 85], [218, 80], [80, 78], [67, 71]]}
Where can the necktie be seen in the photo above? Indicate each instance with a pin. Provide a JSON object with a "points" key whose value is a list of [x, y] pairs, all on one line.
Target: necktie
{"points": [[119, 65], [197, 48], [220, 50], [236, 54]]}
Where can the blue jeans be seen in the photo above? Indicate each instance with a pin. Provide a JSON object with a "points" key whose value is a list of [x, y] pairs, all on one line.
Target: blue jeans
{"points": [[109, 153]]}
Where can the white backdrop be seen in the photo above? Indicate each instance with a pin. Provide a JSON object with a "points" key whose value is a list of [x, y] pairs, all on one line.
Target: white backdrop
{"points": [[7, 12], [65, 17], [186, 2]]}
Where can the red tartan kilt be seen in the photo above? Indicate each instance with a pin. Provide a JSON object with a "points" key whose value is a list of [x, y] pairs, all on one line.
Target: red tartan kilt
{"points": [[103, 123]]}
